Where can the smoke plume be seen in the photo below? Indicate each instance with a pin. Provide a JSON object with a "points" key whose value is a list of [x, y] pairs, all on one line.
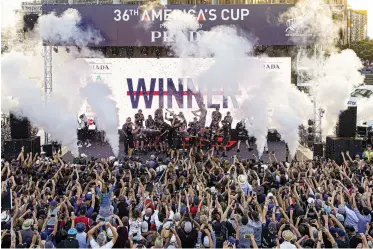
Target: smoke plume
{"points": [[54, 117], [70, 74], [332, 73], [66, 30], [99, 98], [264, 100], [311, 22]]}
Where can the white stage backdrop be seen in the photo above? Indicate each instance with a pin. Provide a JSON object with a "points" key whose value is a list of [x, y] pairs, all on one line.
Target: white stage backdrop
{"points": [[149, 84]]}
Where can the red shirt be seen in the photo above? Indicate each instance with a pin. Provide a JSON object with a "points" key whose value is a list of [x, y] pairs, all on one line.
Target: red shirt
{"points": [[85, 220]]}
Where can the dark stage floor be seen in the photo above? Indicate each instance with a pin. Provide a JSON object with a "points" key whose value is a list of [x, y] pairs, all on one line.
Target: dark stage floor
{"points": [[103, 150]]}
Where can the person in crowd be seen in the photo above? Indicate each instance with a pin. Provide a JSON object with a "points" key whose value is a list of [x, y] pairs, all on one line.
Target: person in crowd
{"points": [[193, 200]]}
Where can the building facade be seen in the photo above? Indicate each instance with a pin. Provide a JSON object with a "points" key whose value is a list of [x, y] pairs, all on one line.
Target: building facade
{"points": [[357, 25]]}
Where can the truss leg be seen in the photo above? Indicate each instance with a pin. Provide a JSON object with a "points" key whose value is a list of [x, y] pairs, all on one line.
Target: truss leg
{"points": [[48, 87]]}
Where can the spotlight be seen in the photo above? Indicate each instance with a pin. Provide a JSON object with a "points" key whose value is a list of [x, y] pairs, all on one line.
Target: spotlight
{"points": [[55, 49], [310, 122], [67, 50]]}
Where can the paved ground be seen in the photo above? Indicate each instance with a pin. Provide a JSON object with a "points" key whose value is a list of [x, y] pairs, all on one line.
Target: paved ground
{"points": [[99, 150]]}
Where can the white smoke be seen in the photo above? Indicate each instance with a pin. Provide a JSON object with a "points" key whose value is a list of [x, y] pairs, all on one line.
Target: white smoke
{"points": [[70, 74], [311, 22], [54, 117], [65, 30], [99, 98], [333, 74], [234, 70], [365, 110]]}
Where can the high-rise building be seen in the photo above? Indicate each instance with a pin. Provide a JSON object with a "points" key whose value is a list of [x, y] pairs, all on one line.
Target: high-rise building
{"points": [[357, 25]]}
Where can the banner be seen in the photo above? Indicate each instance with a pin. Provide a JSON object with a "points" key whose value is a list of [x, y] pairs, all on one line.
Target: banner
{"points": [[149, 84], [129, 25]]}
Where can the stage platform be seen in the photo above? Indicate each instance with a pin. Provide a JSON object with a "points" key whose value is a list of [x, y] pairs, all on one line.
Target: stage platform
{"points": [[102, 149]]}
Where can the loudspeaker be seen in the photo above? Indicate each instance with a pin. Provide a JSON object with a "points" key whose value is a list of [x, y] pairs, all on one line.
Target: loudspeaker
{"points": [[347, 122], [20, 127], [336, 145], [273, 136], [13, 147], [51, 149], [318, 150]]}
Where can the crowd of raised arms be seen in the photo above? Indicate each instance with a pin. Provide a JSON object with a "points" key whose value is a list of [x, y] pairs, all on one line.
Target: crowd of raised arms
{"points": [[194, 200]]}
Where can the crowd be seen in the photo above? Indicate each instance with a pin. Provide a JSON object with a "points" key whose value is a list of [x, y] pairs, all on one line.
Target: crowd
{"points": [[191, 201]]}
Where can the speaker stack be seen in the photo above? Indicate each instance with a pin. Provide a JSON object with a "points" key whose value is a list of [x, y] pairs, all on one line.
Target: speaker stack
{"points": [[346, 137], [20, 129], [347, 123]]}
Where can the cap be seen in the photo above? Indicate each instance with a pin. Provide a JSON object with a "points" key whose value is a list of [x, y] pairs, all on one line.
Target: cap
{"points": [[53, 203], [80, 227], [72, 231]]}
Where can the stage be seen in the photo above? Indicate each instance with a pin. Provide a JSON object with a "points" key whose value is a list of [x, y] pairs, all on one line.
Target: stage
{"points": [[103, 150]]}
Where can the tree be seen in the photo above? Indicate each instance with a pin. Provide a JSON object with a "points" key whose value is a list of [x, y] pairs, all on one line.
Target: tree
{"points": [[363, 49]]}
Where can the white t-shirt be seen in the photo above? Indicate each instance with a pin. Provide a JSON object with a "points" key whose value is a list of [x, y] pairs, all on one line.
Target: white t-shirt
{"points": [[95, 245], [287, 245], [135, 227]]}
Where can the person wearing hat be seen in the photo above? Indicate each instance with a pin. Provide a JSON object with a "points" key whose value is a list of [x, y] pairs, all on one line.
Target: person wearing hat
{"points": [[70, 241], [26, 231], [81, 235], [289, 240]]}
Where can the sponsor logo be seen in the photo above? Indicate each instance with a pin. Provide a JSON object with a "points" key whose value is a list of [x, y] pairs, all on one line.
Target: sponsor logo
{"points": [[101, 67], [351, 102], [292, 27], [271, 66]]}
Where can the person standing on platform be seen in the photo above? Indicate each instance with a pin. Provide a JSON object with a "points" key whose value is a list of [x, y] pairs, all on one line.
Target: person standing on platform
{"points": [[243, 135], [202, 114], [128, 137]]}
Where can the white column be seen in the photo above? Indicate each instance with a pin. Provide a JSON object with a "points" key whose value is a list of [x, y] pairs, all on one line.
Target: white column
{"points": [[71, 1], [214, 1], [116, 1], [164, 2]]}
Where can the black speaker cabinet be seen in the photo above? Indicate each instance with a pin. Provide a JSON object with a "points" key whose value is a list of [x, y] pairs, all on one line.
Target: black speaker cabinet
{"points": [[336, 145], [51, 149], [318, 150], [347, 122], [13, 147], [20, 127]]}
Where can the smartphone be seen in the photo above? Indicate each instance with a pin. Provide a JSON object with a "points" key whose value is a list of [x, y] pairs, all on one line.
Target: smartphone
{"points": [[247, 236]]}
